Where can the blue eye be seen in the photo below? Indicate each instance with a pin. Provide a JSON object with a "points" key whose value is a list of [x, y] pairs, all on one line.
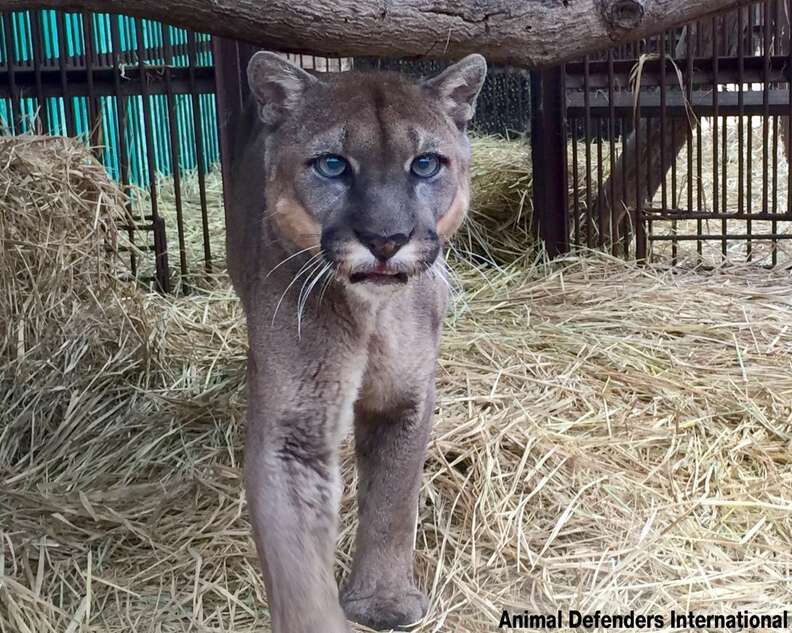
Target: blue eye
{"points": [[331, 166], [425, 165]]}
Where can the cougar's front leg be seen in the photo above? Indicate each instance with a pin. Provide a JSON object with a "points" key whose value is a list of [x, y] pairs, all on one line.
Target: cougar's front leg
{"points": [[390, 446], [293, 491]]}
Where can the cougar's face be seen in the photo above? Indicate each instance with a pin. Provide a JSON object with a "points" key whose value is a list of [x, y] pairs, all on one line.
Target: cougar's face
{"points": [[372, 170]]}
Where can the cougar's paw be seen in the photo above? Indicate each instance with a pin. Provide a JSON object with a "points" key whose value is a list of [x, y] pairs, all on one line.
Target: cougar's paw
{"points": [[384, 607]]}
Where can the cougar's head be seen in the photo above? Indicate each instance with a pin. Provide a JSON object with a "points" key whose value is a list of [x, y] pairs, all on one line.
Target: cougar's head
{"points": [[371, 169]]}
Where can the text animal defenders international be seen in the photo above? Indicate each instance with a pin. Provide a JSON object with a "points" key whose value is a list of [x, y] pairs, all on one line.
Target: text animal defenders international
{"points": [[598, 619]]}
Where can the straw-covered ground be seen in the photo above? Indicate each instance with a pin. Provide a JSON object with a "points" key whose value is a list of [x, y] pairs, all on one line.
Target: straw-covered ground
{"points": [[607, 436]]}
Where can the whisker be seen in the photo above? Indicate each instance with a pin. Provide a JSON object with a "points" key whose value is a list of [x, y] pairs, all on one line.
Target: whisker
{"points": [[303, 300], [310, 264], [310, 273], [309, 281], [330, 277], [438, 272], [317, 265], [282, 262], [456, 292]]}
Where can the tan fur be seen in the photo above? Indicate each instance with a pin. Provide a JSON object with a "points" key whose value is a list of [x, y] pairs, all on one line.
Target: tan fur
{"points": [[296, 224], [452, 219]]}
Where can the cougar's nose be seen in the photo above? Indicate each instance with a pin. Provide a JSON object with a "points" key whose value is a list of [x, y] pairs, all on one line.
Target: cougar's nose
{"points": [[383, 247]]}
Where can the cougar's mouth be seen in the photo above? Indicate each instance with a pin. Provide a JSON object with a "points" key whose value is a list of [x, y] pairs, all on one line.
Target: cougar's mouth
{"points": [[381, 274], [379, 278]]}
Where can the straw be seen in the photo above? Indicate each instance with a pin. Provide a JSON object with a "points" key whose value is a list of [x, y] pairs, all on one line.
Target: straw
{"points": [[607, 437]]}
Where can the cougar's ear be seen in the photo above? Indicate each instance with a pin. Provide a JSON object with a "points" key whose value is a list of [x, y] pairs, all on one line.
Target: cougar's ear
{"points": [[458, 86], [277, 84]]}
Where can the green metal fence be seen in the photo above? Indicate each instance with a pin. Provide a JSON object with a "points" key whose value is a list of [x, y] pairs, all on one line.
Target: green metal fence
{"points": [[67, 34]]}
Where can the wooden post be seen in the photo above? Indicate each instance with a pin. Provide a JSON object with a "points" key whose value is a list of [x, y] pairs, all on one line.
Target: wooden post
{"points": [[231, 59], [548, 151]]}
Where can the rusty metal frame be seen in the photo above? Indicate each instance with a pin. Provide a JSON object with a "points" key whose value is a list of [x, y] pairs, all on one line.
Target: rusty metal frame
{"points": [[743, 72]]}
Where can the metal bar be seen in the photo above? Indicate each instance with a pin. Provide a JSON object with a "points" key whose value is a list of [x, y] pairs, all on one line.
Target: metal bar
{"points": [[575, 180], [741, 111], [162, 279], [38, 55], [689, 130], [717, 236], [775, 183], [174, 148], [752, 103], [776, 32], [704, 72], [63, 56], [229, 105], [638, 222], [789, 103], [766, 114], [750, 30], [614, 228], [13, 90], [680, 214], [674, 182], [749, 176], [627, 219], [699, 39], [136, 227], [600, 105], [103, 80], [715, 139], [199, 150], [150, 53], [146, 248], [724, 162], [776, 47], [123, 159], [94, 123], [601, 198], [587, 150], [650, 185], [663, 130], [160, 241]]}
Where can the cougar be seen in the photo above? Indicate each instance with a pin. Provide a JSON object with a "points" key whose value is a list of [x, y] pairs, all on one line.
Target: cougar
{"points": [[345, 188]]}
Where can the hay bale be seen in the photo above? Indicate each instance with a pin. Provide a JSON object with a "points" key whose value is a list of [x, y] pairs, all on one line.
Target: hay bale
{"points": [[58, 237], [498, 228], [91, 372], [70, 333]]}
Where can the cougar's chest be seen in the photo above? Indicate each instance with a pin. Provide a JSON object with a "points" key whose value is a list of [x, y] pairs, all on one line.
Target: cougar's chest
{"points": [[401, 355]]}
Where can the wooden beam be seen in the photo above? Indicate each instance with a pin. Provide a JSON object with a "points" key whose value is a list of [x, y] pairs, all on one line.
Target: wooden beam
{"points": [[527, 33]]}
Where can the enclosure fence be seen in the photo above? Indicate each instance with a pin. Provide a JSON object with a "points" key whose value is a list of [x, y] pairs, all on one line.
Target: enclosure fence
{"points": [[678, 145], [139, 92], [670, 148]]}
